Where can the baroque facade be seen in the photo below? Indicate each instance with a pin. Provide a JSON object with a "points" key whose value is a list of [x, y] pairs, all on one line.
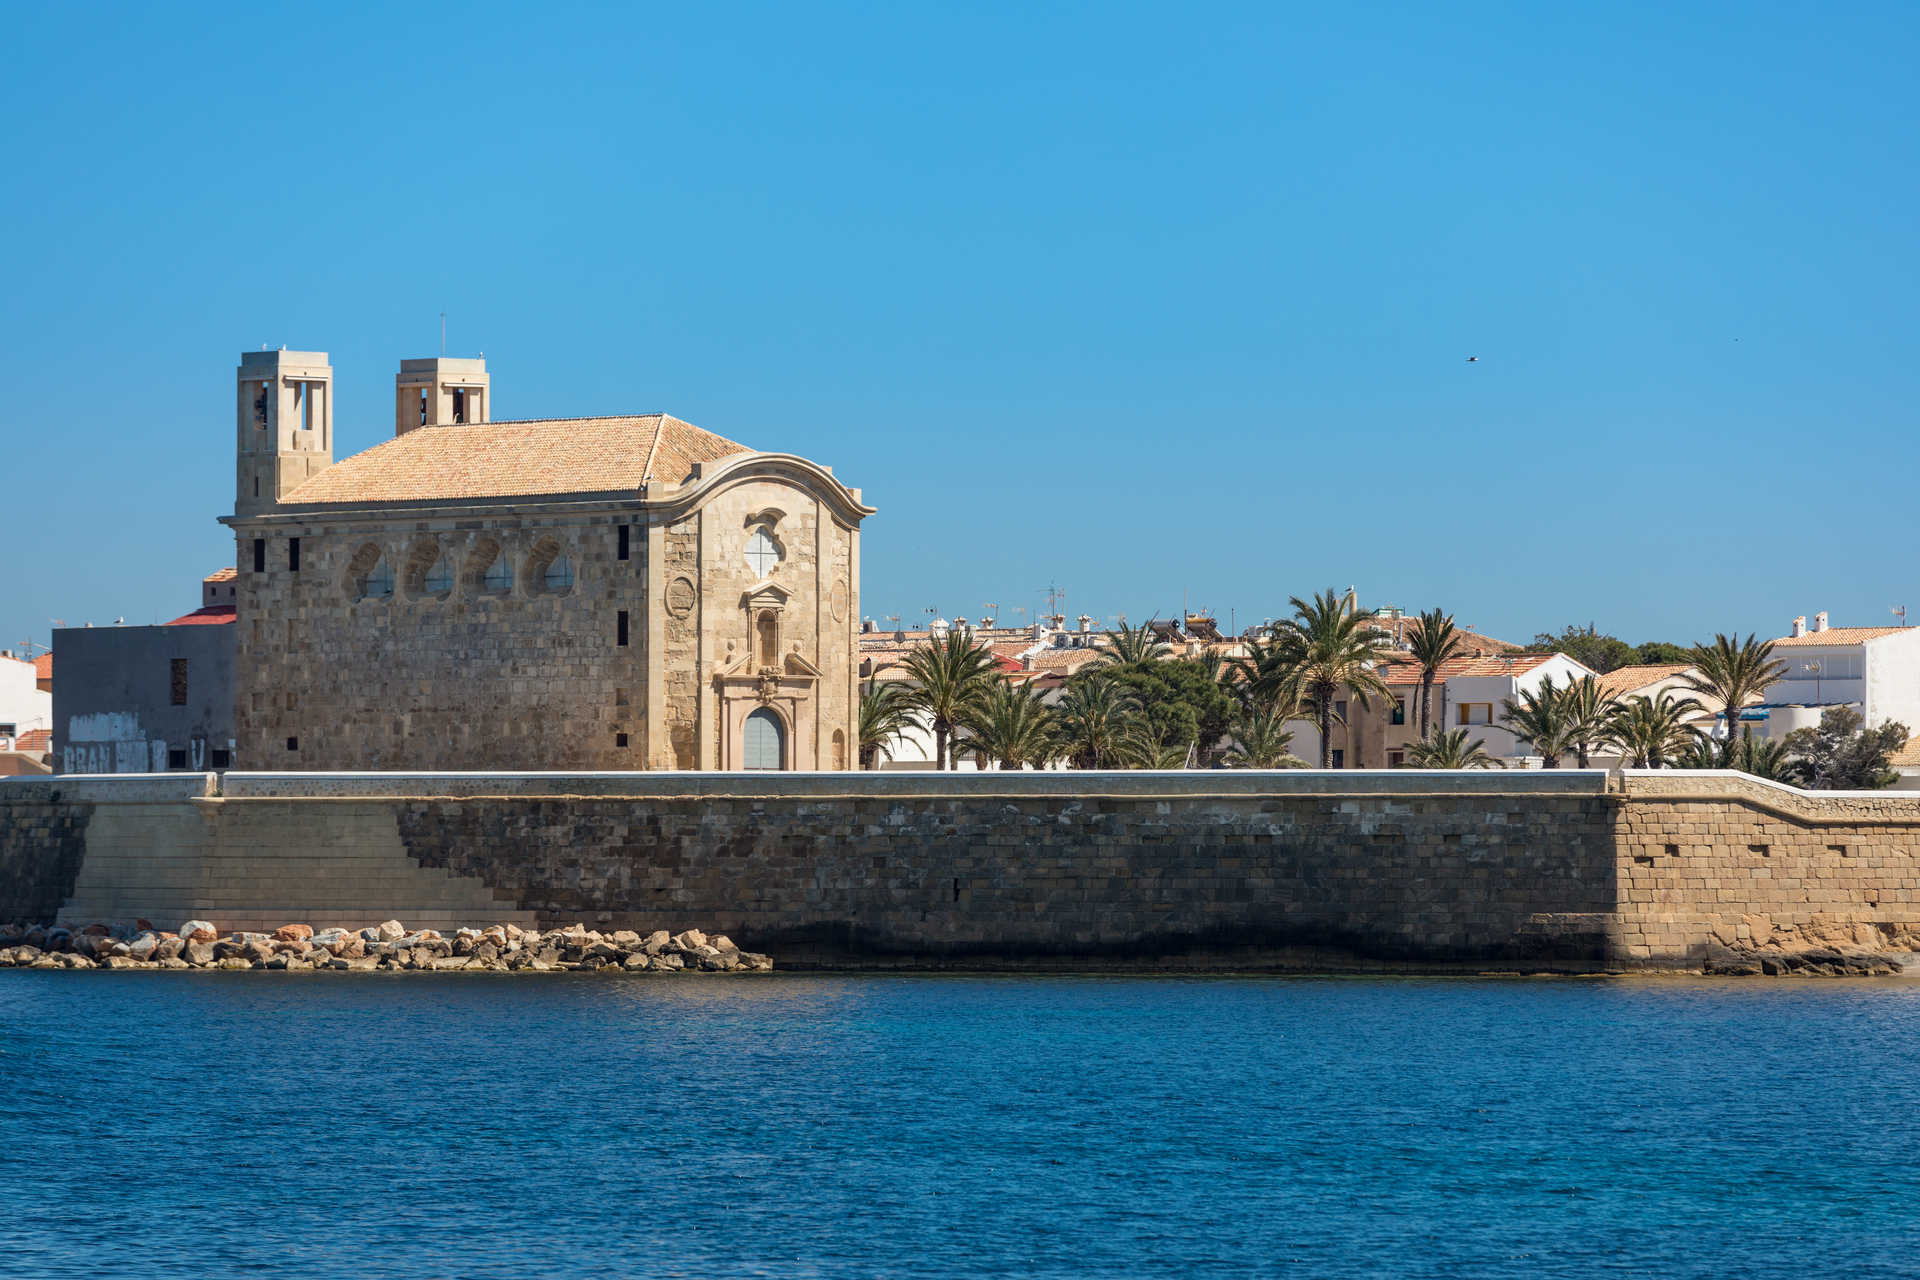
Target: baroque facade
{"points": [[564, 593]]}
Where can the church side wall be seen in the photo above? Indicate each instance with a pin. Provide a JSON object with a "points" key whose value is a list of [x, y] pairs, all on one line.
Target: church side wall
{"points": [[469, 677]]}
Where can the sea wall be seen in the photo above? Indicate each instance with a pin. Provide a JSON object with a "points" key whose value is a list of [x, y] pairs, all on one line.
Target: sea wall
{"points": [[1565, 869]]}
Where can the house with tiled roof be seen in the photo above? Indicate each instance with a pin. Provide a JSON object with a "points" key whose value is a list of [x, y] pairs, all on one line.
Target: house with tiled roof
{"points": [[614, 592], [24, 706], [1874, 670], [1468, 693]]}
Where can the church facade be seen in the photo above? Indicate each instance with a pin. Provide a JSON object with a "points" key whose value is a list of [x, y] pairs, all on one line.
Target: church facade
{"points": [[566, 593]]}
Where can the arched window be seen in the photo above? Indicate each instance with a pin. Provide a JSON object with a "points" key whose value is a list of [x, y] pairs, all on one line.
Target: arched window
{"points": [[769, 628], [499, 575], [548, 568], [439, 579], [559, 574], [763, 553], [369, 576], [765, 741]]}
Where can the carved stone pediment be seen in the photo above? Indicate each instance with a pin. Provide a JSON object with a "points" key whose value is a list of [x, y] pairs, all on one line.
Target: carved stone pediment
{"points": [[768, 595], [799, 666]]}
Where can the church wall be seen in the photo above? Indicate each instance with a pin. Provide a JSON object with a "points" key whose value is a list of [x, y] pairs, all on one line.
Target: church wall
{"points": [[471, 677]]}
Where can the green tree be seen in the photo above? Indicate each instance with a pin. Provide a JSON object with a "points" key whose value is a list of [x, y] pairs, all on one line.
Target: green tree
{"points": [[885, 718], [1540, 718], [1652, 732], [1659, 652], [1092, 721], [1013, 725], [1449, 749], [1592, 649], [1842, 755], [1433, 640], [1261, 740], [1329, 645], [1586, 708], [1178, 703], [1131, 646], [952, 675], [1733, 673]]}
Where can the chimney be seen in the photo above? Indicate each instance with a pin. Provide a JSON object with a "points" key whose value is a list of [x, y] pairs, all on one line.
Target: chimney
{"points": [[1086, 623], [1799, 626], [1820, 621]]}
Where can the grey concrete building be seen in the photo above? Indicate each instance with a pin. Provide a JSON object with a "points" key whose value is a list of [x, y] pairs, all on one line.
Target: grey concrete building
{"points": [[149, 699]]}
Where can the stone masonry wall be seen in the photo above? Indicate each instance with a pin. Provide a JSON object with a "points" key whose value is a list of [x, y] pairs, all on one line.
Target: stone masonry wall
{"points": [[525, 677], [1726, 858], [1564, 868]]}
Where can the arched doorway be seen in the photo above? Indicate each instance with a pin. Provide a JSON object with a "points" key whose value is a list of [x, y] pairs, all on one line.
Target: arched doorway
{"points": [[764, 741]]}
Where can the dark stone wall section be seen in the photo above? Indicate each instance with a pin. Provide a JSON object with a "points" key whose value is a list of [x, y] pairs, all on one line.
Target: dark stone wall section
{"points": [[1425, 880], [42, 844]]}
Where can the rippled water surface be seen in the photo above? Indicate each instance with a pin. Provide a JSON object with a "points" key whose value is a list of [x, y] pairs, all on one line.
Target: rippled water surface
{"points": [[205, 1124]]}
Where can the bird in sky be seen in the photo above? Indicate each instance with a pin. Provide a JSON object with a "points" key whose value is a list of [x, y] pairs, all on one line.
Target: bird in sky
{"points": [[1473, 359]]}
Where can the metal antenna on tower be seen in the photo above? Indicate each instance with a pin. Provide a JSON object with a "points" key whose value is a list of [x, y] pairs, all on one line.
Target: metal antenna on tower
{"points": [[1900, 612]]}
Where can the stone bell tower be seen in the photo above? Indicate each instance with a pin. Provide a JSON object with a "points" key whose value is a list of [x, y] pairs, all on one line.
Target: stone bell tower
{"points": [[438, 392], [285, 424]]}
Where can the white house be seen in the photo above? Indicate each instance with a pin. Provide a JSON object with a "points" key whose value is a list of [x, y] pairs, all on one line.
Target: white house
{"points": [[24, 706], [1874, 670]]}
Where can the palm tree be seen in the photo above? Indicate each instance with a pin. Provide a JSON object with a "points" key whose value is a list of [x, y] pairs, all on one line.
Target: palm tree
{"points": [[1256, 676], [1449, 750], [1762, 757], [1586, 707], [952, 675], [1012, 725], [1540, 719], [1142, 749], [1733, 673], [1260, 740], [885, 718], [1092, 721], [1130, 646], [1328, 645], [1652, 731], [1433, 641]]}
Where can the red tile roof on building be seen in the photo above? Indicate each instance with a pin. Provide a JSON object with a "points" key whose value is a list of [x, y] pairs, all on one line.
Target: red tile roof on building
{"points": [[1907, 757], [1838, 635], [517, 459], [1621, 681], [227, 574], [1403, 673], [34, 741], [211, 616]]}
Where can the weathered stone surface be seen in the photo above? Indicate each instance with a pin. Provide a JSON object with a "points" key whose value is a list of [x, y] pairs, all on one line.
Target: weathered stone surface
{"points": [[198, 931], [293, 933], [198, 953]]}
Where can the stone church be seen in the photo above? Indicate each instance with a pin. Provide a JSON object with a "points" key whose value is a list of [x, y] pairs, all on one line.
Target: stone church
{"points": [[559, 593]]}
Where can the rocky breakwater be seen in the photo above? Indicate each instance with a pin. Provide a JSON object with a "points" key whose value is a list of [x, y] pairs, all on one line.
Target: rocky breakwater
{"points": [[386, 947]]}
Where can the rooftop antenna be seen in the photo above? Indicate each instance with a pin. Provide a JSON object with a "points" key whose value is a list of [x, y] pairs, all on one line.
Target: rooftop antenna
{"points": [[1900, 612]]}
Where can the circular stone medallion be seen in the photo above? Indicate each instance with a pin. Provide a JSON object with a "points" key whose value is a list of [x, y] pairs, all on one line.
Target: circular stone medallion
{"points": [[680, 597], [837, 600]]}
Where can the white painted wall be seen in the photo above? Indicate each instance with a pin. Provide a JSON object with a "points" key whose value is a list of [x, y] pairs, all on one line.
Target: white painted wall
{"points": [[1496, 689], [22, 703]]}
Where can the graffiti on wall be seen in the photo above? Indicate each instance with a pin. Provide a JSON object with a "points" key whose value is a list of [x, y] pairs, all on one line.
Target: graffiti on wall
{"points": [[114, 742]]}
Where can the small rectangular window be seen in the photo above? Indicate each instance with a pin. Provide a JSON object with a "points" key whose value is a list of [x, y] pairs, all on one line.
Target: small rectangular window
{"points": [[1395, 759], [1399, 715], [623, 627], [619, 739], [177, 679], [293, 554], [220, 758], [1339, 758], [293, 744], [176, 757], [259, 555], [626, 532], [1340, 708]]}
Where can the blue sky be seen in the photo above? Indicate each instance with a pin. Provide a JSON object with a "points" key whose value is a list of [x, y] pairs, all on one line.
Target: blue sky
{"points": [[1141, 300]]}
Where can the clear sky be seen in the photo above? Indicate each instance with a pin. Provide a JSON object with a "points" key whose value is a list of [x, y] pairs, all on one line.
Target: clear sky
{"points": [[1141, 300]]}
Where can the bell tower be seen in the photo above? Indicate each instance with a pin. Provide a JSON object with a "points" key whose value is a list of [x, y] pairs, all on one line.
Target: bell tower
{"points": [[285, 425], [442, 391]]}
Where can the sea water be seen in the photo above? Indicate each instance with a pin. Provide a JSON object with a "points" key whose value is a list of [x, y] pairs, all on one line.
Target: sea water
{"points": [[207, 1124]]}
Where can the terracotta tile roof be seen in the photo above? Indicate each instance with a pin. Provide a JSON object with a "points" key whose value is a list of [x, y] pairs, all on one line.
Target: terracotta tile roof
{"points": [[211, 616], [1065, 661], [227, 574], [1838, 635], [515, 459], [1622, 681], [34, 741], [1907, 757], [1405, 673]]}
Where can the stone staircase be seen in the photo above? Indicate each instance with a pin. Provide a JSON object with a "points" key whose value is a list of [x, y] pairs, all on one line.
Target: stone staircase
{"points": [[255, 869]]}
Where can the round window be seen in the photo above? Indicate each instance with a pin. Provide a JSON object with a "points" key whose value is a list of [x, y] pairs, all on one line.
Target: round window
{"points": [[763, 553]]}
